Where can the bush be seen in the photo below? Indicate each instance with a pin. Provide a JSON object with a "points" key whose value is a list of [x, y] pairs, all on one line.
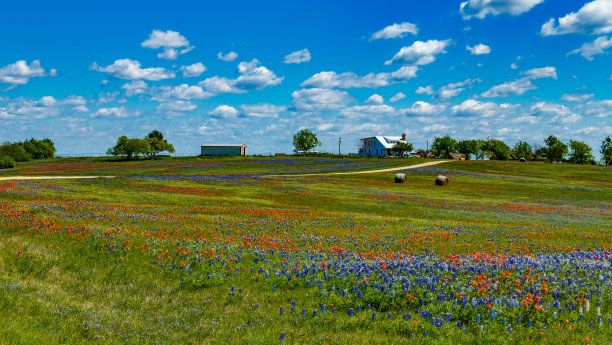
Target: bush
{"points": [[6, 162]]}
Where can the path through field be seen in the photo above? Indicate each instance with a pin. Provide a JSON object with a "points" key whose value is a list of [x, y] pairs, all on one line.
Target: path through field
{"points": [[415, 166]]}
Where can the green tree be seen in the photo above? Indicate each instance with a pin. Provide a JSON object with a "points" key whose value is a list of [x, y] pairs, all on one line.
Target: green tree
{"points": [[305, 140], [482, 149], [39, 149], [158, 143], [15, 151], [497, 150], [468, 147], [400, 147], [580, 153], [606, 151], [555, 149], [443, 146], [120, 148], [139, 146], [522, 149], [6, 162]]}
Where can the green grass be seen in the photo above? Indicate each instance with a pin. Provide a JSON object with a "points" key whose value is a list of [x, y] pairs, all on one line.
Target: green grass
{"points": [[60, 283]]}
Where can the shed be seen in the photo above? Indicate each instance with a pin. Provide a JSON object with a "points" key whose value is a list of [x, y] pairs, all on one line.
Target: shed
{"points": [[224, 150]]}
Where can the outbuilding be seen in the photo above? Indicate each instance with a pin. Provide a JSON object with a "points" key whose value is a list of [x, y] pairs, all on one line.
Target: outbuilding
{"points": [[224, 150]]}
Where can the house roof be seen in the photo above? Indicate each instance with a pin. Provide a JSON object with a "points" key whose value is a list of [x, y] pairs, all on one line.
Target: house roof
{"points": [[223, 145], [388, 141]]}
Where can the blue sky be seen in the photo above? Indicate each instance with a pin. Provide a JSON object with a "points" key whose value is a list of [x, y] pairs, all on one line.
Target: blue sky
{"points": [[84, 73]]}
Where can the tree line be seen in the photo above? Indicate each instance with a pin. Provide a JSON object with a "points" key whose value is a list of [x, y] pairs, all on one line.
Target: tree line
{"points": [[553, 150], [23, 151], [149, 146]]}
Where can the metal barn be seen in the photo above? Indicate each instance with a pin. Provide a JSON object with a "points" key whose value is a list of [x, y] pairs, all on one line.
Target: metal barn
{"points": [[224, 150]]}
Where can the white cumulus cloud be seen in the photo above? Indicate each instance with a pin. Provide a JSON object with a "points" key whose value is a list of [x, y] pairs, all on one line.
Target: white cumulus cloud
{"points": [[136, 87], [218, 85], [120, 112], [130, 69], [318, 99], [421, 108], [594, 17], [454, 89], [183, 91], [261, 110], [479, 49], [224, 111], [397, 97], [482, 8], [175, 106], [229, 57], [473, 107], [437, 128], [298, 57], [520, 86], [349, 79], [20, 72], [194, 70], [375, 99], [254, 76], [367, 111], [577, 97], [395, 31], [588, 50], [557, 112], [170, 41], [419, 53], [543, 72], [251, 76], [600, 109], [427, 90]]}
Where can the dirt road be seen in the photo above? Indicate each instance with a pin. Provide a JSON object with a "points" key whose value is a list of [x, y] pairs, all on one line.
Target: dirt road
{"points": [[407, 167]]}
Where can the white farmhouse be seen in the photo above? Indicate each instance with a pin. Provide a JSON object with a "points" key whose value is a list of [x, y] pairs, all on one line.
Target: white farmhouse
{"points": [[379, 145]]}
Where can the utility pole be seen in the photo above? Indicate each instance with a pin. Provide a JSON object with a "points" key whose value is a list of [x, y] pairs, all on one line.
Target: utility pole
{"points": [[427, 145], [339, 141]]}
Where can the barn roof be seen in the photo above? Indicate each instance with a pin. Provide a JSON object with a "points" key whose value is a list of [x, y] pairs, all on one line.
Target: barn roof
{"points": [[223, 145]]}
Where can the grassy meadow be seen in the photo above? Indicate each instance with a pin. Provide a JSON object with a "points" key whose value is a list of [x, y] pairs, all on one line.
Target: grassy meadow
{"points": [[220, 250]]}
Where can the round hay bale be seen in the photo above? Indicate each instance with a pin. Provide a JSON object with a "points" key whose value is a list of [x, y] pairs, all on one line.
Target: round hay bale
{"points": [[400, 178], [441, 180]]}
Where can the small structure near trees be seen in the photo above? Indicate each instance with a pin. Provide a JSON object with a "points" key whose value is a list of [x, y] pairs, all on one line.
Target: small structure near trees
{"points": [[224, 150]]}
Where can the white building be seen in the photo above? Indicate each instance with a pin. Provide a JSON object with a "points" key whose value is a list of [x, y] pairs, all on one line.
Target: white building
{"points": [[379, 145]]}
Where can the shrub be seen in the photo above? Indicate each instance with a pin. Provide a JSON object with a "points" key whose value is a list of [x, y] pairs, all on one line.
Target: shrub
{"points": [[6, 162]]}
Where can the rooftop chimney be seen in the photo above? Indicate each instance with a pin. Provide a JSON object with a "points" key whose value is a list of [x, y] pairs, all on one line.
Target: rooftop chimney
{"points": [[403, 137]]}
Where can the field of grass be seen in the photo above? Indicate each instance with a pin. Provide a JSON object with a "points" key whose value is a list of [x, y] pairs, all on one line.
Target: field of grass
{"points": [[219, 251], [202, 166]]}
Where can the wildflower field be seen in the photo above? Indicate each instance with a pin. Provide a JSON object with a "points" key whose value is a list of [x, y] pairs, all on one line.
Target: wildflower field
{"points": [[197, 251]]}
